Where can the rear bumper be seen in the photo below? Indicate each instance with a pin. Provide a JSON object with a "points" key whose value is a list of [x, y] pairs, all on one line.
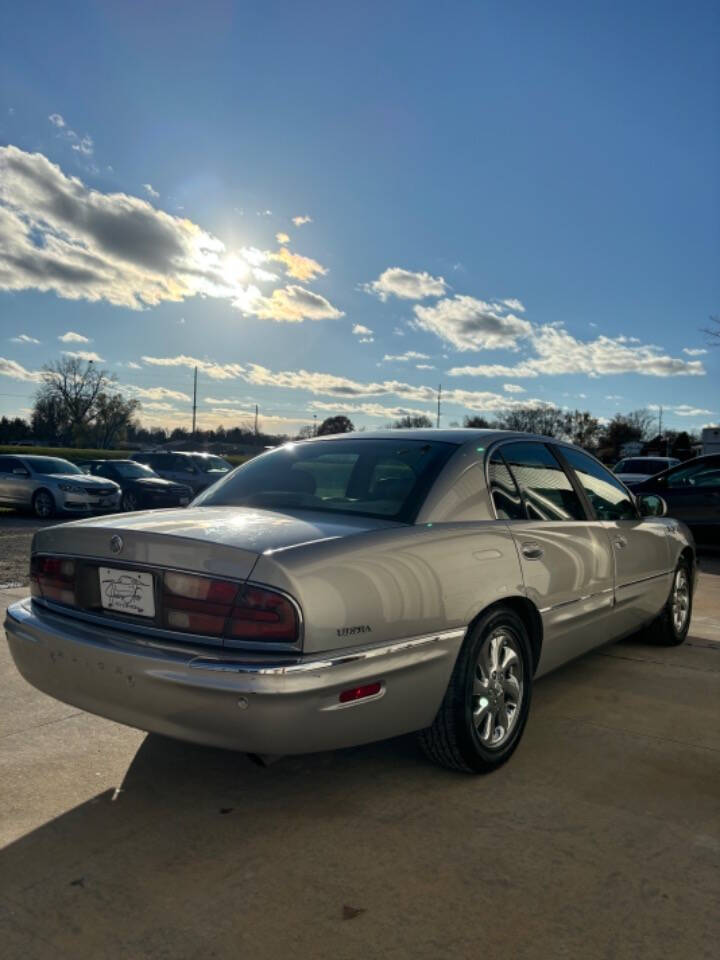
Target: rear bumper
{"points": [[259, 707]]}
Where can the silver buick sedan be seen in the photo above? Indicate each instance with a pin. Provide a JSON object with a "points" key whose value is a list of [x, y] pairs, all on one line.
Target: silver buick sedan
{"points": [[347, 589]]}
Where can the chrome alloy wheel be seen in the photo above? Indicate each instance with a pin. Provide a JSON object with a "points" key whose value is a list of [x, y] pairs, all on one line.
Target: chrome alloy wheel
{"points": [[680, 599], [43, 504], [497, 689]]}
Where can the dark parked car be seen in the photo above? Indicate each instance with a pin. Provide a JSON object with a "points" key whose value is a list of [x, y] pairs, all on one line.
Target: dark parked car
{"points": [[196, 470], [692, 494], [142, 488]]}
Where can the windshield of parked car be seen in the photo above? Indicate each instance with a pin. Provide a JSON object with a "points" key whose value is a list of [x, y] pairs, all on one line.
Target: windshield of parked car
{"points": [[371, 478], [210, 464], [128, 470], [51, 465]]}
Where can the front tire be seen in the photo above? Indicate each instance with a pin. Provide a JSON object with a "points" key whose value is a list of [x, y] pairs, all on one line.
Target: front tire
{"points": [[483, 715], [671, 627], [129, 502], [43, 504]]}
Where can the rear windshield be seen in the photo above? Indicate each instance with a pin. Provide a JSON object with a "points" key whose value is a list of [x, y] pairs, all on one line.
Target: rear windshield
{"points": [[643, 466], [371, 478], [51, 465], [212, 464]]}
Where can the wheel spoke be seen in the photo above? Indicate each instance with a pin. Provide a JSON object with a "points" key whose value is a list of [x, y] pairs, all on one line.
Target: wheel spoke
{"points": [[511, 688], [488, 727], [509, 659], [480, 687]]}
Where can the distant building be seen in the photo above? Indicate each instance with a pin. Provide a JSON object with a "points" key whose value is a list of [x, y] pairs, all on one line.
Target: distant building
{"points": [[711, 440]]}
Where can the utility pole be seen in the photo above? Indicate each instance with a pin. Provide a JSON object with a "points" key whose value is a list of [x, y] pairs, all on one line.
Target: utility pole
{"points": [[660, 423], [439, 398], [194, 401], [256, 419]]}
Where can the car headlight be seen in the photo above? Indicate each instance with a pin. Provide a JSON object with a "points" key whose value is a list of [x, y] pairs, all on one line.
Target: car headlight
{"points": [[70, 488]]}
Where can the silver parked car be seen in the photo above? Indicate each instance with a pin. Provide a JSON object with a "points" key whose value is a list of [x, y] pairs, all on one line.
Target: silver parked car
{"points": [[347, 589], [633, 470], [51, 485]]}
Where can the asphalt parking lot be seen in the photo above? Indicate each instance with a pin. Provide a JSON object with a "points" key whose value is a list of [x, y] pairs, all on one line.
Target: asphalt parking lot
{"points": [[600, 838]]}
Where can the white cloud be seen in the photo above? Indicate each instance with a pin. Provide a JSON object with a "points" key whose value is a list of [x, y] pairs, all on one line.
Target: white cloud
{"points": [[9, 368], [470, 324], [366, 339], [158, 394], [84, 145], [406, 285], [282, 237], [151, 191], [398, 332], [513, 304], [559, 352], [513, 388], [88, 355], [361, 331], [685, 410], [72, 337], [133, 365], [59, 235], [299, 221], [293, 304], [370, 410], [405, 357], [694, 351], [216, 371], [56, 120], [424, 366], [24, 338], [298, 266]]}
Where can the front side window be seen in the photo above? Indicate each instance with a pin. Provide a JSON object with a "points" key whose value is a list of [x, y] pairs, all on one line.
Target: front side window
{"points": [[373, 478], [608, 497], [503, 490], [545, 487], [703, 474]]}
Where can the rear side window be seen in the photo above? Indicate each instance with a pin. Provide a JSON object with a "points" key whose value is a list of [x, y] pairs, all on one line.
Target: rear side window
{"points": [[545, 487], [607, 496], [503, 490]]}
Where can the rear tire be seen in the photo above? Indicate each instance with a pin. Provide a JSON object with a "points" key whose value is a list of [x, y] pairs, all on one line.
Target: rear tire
{"points": [[483, 715], [671, 627], [43, 504]]}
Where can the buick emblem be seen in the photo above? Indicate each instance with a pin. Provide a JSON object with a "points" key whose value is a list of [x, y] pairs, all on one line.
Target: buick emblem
{"points": [[116, 544]]}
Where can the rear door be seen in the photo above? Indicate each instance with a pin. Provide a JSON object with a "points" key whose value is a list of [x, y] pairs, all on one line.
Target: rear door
{"points": [[640, 545], [564, 554]]}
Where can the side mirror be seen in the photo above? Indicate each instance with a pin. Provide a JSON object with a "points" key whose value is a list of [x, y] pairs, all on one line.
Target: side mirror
{"points": [[651, 505]]}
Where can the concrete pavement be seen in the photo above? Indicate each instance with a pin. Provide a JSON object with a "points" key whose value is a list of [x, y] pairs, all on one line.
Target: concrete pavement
{"points": [[600, 838]]}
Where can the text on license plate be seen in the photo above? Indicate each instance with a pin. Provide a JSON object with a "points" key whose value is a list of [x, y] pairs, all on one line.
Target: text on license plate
{"points": [[127, 591]]}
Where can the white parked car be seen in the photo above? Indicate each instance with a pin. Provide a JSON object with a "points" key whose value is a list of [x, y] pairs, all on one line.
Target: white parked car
{"points": [[634, 470]]}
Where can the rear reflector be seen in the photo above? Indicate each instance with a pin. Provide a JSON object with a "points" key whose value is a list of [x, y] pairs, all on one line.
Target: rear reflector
{"points": [[53, 578], [359, 693]]}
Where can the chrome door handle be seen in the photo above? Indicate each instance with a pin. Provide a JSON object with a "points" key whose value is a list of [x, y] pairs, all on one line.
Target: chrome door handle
{"points": [[620, 543], [532, 550]]}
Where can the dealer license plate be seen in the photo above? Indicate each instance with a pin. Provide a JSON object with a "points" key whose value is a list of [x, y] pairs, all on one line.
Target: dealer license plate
{"points": [[127, 591]]}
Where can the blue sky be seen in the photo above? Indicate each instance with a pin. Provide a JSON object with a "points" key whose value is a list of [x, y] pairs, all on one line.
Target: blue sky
{"points": [[517, 200]]}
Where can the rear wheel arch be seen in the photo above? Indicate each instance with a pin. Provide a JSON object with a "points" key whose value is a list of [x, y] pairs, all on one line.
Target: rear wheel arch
{"points": [[528, 613]]}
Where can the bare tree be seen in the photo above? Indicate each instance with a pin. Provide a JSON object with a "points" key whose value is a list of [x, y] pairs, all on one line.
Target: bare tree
{"points": [[412, 423], [79, 401], [713, 331]]}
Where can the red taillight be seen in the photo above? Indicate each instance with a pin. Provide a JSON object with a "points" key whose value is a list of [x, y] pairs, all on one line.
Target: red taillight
{"points": [[261, 614], [197, 604], [359, 693], [203, 605], [53, 578]]}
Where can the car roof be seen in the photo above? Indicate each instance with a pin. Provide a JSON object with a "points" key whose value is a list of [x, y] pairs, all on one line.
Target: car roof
{"points": [[455, 435]]}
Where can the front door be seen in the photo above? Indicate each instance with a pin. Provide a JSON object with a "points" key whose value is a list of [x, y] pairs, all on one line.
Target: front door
{"points": [[692, 493], [640, 546], [565, 556]]}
